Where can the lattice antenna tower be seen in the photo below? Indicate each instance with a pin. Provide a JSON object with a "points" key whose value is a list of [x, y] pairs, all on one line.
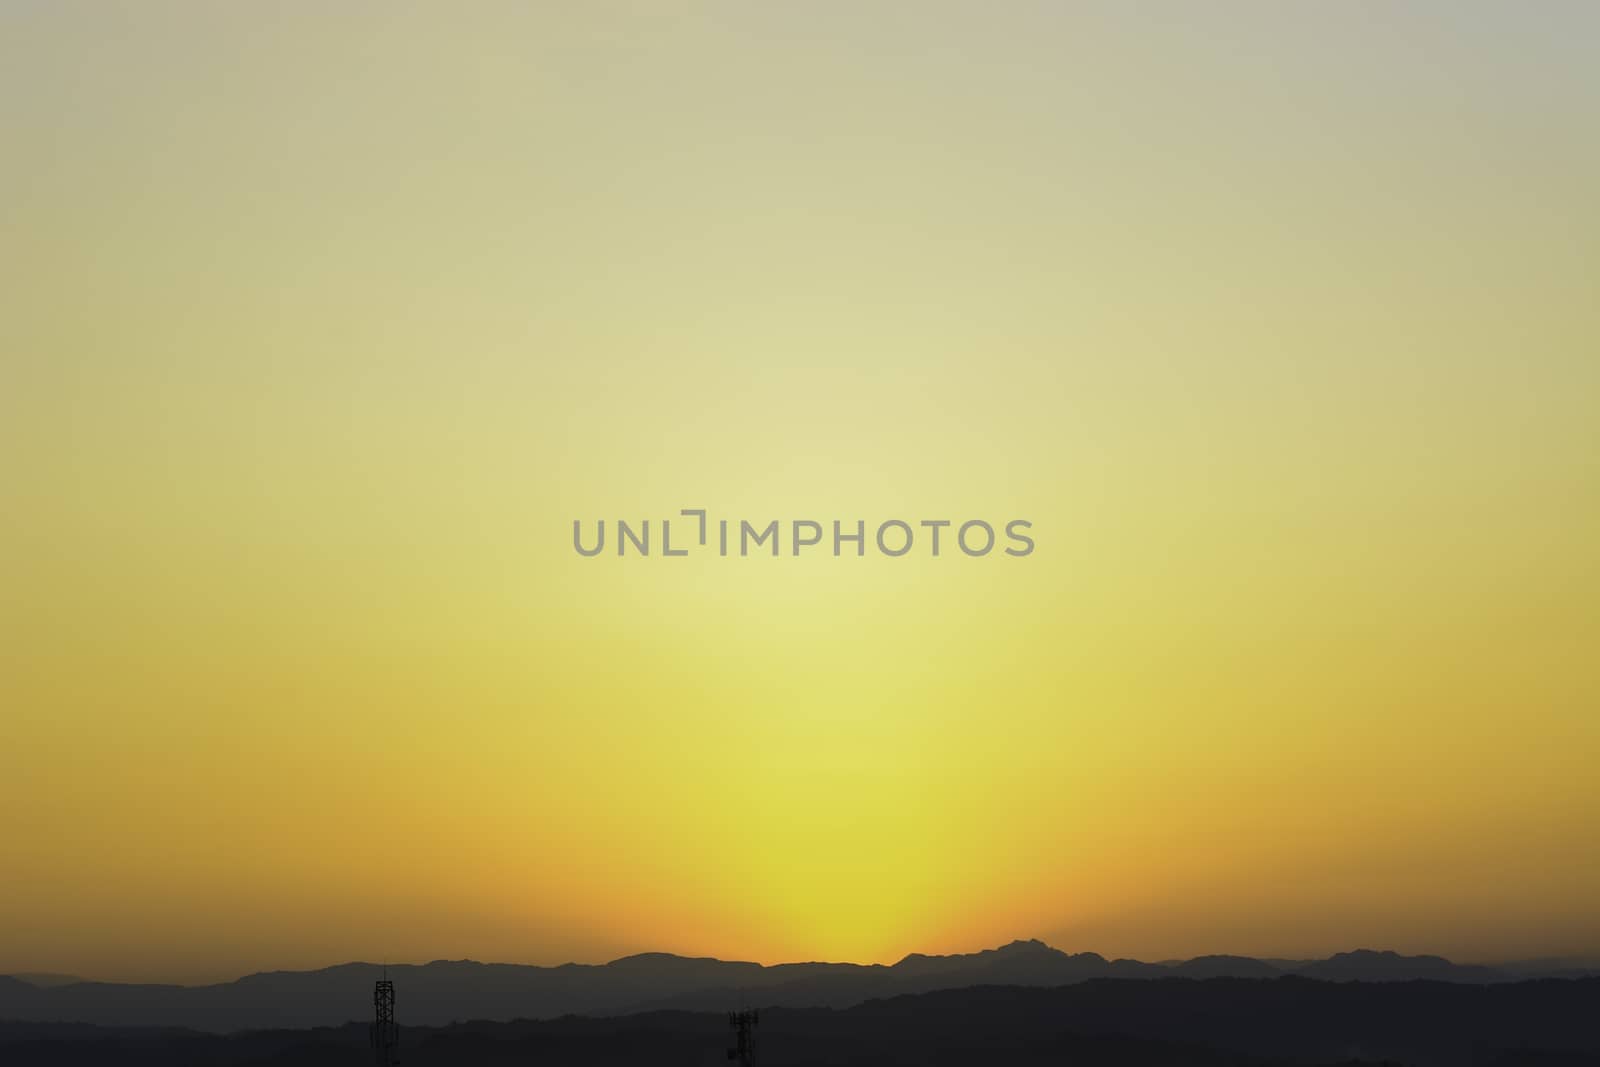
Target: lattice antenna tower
{"points": [[743, 1024], [385, 1031]]}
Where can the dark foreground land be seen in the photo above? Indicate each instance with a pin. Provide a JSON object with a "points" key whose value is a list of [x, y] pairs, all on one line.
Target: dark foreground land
{"points": [[1135, 1023]]}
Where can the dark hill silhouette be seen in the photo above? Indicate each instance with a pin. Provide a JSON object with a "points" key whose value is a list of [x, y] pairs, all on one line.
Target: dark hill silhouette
{"points": [[1225, 967], [443, 991], [1131, 1023], [1365, 965]]}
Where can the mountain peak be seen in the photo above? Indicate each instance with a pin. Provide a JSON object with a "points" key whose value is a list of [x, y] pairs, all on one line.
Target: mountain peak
{"points": [[1020, 947]]}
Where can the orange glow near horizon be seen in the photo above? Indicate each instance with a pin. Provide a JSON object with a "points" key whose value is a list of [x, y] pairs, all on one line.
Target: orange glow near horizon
{"points": [[318, 329]]}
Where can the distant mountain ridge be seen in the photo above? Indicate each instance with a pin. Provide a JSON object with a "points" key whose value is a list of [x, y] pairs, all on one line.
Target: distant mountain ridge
{"points": [[444, 991]]}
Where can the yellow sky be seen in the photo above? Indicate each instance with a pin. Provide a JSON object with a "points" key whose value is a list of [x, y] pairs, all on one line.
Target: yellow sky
{"points": [[319, 328]]}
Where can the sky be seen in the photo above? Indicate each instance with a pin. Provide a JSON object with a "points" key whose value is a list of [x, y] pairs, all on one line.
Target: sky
{"points": [[321, 324]]}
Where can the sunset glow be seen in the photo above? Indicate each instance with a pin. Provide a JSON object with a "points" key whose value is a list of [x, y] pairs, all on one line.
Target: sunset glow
{"points": [[321, 325]]}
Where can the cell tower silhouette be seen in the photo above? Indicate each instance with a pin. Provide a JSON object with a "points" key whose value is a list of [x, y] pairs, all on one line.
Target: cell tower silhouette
{"points": [[743, 1024], [385, 1031]]}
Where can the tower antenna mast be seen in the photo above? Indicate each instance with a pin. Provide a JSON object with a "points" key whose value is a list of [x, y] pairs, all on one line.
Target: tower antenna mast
{"points": [[385, 1031], [743, 1024]]}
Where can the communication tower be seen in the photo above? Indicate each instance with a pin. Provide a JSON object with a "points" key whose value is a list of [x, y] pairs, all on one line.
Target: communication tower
{"points": [[385, 1031], [743, 1024]]}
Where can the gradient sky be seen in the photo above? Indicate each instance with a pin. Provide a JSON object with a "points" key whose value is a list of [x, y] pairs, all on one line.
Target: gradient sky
{"points": [[319, 324]]}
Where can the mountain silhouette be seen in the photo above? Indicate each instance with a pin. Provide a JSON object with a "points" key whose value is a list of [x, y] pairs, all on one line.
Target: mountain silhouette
{"points": [[1365, 965], [443, 991], [1225, 967]]}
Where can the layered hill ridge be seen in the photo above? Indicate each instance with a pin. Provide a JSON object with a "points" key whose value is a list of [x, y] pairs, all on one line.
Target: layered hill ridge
{"points": [[444, 991]]}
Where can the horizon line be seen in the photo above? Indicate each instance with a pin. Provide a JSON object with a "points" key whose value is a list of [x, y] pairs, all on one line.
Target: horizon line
{"points": [[1582, 957]]}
